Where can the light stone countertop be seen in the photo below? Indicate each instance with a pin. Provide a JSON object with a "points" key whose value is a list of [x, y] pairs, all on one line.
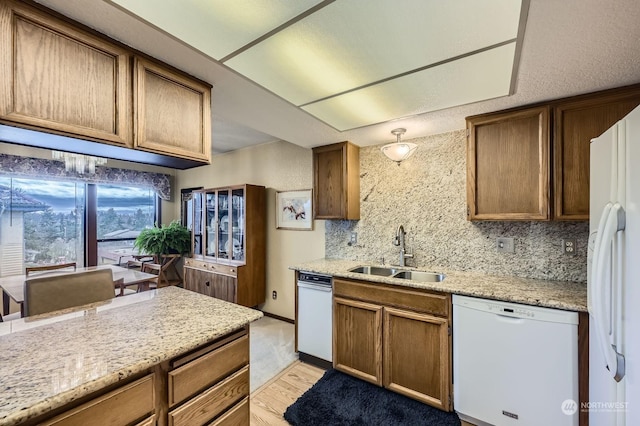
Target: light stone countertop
{"points": [[567, 295], [48, 361]]}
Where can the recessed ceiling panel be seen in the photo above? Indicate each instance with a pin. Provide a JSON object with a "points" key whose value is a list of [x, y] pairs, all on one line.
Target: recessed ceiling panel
{"points": [[217, 27], [351, 43], [474, 78]]}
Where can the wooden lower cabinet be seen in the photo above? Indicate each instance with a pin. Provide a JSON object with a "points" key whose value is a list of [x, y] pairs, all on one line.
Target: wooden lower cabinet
{"points": [[357, 346], [208, 385], [394, 337], [220, 286], [416, 356], [211, 383], [236, 416], [125, 405]]}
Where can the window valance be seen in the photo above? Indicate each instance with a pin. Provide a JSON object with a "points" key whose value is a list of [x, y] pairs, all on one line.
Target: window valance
{"points": [[14, 165]]}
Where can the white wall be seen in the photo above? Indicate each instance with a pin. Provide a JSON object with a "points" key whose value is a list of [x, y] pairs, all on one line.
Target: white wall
{"points": [[278, 166]]}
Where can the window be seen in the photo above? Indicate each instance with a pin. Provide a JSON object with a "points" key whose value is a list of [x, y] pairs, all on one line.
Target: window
{"points": [[47, 222], [122, 212]]}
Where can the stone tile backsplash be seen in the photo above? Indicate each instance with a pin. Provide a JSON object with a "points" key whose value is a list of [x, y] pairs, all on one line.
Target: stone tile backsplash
{"points": [[427, 195]]}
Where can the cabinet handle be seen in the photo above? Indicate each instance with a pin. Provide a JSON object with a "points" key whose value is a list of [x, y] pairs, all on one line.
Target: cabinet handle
{"points": [[207, 283]]}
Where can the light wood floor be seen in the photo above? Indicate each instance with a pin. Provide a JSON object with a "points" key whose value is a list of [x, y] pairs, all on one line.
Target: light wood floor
{"points": [[269, 402]]}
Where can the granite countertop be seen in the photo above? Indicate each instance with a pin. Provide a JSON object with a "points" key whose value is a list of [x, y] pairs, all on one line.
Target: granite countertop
{"points": [[571, 296], [48, 361]]}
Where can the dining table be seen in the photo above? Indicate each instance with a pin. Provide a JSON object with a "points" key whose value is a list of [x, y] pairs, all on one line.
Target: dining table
{"points": [[13, 285]]}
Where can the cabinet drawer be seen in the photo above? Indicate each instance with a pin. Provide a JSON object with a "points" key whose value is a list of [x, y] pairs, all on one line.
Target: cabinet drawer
{"points": [[212, 267], [213, 401], [223, 269], [237, 416], [149, 421], [208, 369], [196, 263], [434, 303], [122, 406]]}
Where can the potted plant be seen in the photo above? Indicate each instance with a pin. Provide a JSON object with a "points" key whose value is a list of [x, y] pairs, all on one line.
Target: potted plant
{"points": [[166, 239]]}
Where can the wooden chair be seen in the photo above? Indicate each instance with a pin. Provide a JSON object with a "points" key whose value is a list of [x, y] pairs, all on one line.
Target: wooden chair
{"points": [[166, 272], [10, 317], [47, 268], [123, 290], [138, 261], [54, 292]]}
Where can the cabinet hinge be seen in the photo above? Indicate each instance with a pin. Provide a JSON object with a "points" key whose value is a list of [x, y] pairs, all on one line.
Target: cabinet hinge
{"points": [[468, 132], [449, 330], [468, 211]]}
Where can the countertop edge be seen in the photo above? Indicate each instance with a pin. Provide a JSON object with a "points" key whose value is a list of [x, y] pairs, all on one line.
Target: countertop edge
{"points": [[61, 399], [527, 291]]}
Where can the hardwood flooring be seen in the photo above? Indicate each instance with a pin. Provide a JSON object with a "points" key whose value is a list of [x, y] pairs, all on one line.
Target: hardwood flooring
{"points": [[269, 402]]}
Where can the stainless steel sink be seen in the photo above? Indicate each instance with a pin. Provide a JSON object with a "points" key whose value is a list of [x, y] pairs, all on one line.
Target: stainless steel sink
{"points": [[374, 270], [425, 277]]}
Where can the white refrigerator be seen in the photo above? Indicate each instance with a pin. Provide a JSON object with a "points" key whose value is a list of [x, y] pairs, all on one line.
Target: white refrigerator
{"points": [[614, 275]]}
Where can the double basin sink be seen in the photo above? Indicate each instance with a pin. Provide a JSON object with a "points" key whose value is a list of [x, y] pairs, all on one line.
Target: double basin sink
{"points": [[421, 276]]}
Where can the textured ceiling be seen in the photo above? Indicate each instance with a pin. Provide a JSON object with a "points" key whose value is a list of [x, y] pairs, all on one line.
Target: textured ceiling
{"points": [[570, 47]]}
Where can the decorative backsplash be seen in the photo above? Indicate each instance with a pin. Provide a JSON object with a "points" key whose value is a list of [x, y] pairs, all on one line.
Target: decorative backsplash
{"points": [[427, 195]]}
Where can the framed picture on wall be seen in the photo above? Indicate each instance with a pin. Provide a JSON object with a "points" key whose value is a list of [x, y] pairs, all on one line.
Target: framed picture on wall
{"points": [[293, 210]]}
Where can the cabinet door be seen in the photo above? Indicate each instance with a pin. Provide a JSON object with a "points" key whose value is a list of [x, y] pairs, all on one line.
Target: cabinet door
{"points": [[357, 339], [61, 79], [336, 184], [576, 122], [417, 356], [194, 280], [223, 287], [172, 113], [508, 168]]}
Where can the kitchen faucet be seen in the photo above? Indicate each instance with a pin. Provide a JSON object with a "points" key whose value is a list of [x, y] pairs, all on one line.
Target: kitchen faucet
{"points": [[399, 241]]}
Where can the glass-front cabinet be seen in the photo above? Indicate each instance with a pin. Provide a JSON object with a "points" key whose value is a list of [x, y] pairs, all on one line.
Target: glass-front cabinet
{"points": [[224, 219], [229, 239]]}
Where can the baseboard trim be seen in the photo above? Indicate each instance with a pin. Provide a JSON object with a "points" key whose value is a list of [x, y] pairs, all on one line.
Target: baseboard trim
{"points": [[278, 317]]}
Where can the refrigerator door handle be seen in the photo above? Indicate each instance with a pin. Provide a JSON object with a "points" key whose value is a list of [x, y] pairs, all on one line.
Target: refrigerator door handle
{"points": [[591, 287], [615, 222]]}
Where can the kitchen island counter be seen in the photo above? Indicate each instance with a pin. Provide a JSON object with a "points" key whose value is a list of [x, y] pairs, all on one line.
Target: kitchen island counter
{"points": [[571, 296], [47, 362]]}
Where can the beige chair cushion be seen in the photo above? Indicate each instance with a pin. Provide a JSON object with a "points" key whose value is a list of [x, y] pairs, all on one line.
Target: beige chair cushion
{"points": [[55, 292]]}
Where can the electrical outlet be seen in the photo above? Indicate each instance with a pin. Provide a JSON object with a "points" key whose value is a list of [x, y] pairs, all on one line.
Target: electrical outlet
{"points": [[354, 238], [569, 246], [274, 295], [505, 245]]}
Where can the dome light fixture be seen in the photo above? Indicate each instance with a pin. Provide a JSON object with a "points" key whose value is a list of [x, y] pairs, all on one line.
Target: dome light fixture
{"points": [[399, 151]]}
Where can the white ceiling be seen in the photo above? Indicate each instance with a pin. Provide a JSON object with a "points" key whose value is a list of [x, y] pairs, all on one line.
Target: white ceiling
{"points": [[570, 47]]}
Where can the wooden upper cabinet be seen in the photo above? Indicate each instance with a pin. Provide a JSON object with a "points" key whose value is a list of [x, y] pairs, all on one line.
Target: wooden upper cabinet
{"points": [[60, 78], [576, 122], [336, 181], [172, 112], [508, 168]]}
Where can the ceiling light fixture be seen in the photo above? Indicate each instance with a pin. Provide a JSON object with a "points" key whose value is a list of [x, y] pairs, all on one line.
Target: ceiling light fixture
{"points": [[78, 163], [399, 151]]}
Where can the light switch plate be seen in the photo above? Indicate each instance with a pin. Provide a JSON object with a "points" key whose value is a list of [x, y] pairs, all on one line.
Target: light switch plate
{"points": [[505, 245]]}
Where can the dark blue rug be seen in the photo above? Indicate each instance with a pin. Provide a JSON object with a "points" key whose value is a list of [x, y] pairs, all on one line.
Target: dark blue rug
{"points": [[341, 400]]}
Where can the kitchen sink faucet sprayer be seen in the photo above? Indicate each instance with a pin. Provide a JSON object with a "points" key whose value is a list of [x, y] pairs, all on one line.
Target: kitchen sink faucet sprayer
{"points": [[399, 241]]}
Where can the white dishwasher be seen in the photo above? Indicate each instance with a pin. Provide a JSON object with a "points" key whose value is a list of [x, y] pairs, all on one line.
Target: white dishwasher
{"points": [[514, 364], [315, 318]]}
